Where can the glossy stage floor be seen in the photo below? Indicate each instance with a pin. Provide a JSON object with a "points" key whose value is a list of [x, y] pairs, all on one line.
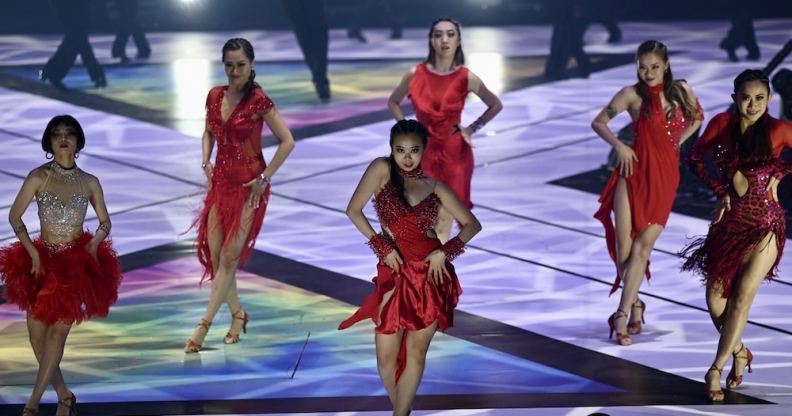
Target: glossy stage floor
{"points": [[530, 335]]}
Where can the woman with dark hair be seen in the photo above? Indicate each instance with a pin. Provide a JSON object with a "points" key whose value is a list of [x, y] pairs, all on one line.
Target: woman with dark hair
{"points": [[437, 88], [416, 288], [745, 241], [66, 275], [642, 188], [238, 183]]}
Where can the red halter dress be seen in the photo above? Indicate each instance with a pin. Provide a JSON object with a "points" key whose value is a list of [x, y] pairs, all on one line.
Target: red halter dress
{"points": [[652, 187]]}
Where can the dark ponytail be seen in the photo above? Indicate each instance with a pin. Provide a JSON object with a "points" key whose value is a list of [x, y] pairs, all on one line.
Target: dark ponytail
{"points": [[753, 145], [403, 127], [235, 44]]}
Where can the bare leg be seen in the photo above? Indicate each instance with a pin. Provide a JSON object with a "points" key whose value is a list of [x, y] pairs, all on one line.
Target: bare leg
{"points": [[417, 346], [49, 361], [225, 267], [387, 354], [739, 304], [37, 332]]}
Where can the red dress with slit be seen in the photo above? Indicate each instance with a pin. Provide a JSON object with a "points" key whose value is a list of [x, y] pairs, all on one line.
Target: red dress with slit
{"points": [[652, 187], [239, 160], [417, 301], [438, 102], [719, 257], [74, 285]]}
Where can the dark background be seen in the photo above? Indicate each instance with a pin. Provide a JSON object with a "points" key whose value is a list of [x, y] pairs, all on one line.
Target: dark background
{"points": [[37, 16]]}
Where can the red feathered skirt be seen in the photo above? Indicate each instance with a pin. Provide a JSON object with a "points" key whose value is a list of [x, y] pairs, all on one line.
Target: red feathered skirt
{"points": [[73, 287]]}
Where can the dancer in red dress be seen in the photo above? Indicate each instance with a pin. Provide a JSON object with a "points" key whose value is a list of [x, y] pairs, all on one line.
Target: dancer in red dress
{"points": [[746, 239], [642, 188], [66, 275], [438, 88], [238, 183], [416, 288]]}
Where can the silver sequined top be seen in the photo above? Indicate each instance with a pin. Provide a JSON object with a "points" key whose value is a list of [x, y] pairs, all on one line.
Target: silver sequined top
{"points": [[62, 204]]}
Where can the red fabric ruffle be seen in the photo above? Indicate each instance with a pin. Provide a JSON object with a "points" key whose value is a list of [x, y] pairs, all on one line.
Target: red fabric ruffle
{"points": [[74, 286]]}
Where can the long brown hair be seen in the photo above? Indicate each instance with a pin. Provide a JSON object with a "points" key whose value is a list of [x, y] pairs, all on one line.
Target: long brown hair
{"points": [[753, 145], [459, 56], [673, 90]]}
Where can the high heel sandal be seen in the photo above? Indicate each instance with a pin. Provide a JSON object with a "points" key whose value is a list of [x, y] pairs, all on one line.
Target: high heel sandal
{"points": [[621, 339], [70, 403], [26, 411], [191, 346], [733, 380], [231, 337], [714, 395], [634, 326]]}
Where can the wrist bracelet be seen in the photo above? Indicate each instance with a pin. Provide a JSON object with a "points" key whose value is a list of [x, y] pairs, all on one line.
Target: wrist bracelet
{"points": [[381, 244], [477, 125], [453, 248], [262, 179], [103, 227], [204, 165]]}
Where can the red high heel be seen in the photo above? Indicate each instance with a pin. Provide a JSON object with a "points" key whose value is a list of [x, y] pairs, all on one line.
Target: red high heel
{"points": [[621, 339], [634, 326], [191, 347], [733, 380], [231, 337], [70, 403], [714, 395]]}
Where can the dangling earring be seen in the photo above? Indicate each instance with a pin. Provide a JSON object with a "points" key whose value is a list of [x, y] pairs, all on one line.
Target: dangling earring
{"points": [[48, 155], [77, 155]]}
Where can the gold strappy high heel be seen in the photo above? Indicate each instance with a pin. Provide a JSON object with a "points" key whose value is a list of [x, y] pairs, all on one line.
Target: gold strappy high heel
{"points": [[733, 380], [70, 403], [231, 336], [621, 339], [714, 395], [191, 347]]}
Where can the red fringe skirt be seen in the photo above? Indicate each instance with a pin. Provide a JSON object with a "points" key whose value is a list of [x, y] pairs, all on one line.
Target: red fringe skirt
{"points": [[720, 256], [74, 286]]}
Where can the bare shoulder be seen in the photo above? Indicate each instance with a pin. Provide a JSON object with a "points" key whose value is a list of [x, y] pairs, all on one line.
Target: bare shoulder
{"points": [[91, 180], [379, 166]]}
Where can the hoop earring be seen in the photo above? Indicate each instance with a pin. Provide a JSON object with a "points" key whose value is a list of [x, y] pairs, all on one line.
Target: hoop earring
{"points": [[48, 155], [77, 155]]}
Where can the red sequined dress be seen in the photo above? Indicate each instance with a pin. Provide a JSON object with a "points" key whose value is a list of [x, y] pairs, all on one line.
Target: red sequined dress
{"points": [[238, 161], [652, 187], [438, 102], [74, 285], [417, 301], [719, 257]]}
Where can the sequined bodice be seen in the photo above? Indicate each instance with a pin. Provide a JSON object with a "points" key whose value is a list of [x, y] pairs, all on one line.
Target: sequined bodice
{"points": [[239, 157], [410, 226], [62, 204]]}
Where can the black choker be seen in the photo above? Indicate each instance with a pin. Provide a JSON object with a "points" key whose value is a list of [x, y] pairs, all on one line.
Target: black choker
{"points": [[63, 167], [66, 172]]}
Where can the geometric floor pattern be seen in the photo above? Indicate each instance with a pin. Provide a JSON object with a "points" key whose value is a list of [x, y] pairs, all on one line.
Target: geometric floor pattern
{"points": [[530, 336]]}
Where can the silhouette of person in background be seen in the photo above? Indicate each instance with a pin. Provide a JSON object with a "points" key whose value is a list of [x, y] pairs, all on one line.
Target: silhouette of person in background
{"points": [[569, 25], [75, 17], [310, 27], [357, 14], [127, 25], [741, 32]]}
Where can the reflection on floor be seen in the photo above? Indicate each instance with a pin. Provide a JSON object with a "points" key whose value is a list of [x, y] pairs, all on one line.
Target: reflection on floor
{"points": [[530, 334]]}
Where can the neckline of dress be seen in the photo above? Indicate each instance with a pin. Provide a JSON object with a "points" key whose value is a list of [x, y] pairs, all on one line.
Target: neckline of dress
{"points": [[225, 91], [429, 70]]}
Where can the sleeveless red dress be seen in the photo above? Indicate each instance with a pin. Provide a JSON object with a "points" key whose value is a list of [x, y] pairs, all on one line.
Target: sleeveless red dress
{"points": [[417, 301], [652, 187], [719, 256], [238, 161], [438, 102]]}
